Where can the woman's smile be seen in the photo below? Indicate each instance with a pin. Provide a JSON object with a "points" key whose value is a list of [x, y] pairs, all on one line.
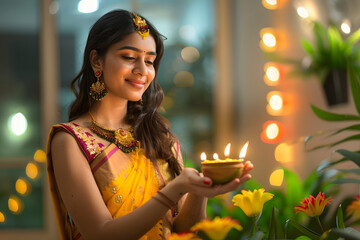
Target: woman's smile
{"points": [[139, 84]]}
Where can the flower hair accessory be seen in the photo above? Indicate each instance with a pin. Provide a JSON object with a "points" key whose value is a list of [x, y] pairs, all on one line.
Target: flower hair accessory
{"points": [[141, 25]]}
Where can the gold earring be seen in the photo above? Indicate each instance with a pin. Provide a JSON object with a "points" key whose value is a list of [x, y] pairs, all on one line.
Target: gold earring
{"points": [[97, 89]]}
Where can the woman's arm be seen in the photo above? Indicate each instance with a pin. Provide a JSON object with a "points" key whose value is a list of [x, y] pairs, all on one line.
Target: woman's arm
{"points": [[86, 206]]}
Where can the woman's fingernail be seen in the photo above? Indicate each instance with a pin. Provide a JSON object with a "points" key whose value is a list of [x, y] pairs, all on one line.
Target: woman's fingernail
{"points": [[207, 182]]}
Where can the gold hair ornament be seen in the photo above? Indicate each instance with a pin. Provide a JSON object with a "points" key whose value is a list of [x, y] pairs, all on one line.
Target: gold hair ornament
{"points": [[141, 25]]}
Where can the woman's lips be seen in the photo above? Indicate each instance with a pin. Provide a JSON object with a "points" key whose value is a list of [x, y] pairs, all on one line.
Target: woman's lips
{"points": [[136, 83]]}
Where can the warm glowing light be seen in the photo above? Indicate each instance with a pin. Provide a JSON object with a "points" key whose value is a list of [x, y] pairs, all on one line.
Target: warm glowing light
{"points": [[270, 4], [277, 177], [40, 156], [2, 217], [272, 131], [227, 150], [345, 27], [203, 156], [276, 102], [18, 124], [302, 12], [187, 32], [88, 6], [269, 39], [273, 73], [32, 170], [283, 153], [216, 156], [15, 205], [244, 150], [22, 186], [184, 79], [190, 54]]}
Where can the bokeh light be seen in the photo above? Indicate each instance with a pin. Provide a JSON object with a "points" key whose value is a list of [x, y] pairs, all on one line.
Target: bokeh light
{"points": [[2, 217], [273, 132], [302, 12], [32, 170], [345, 27], [22, 186], [268, 41], [270, 4], [18, 123], [184, 79], [283, 153], [190, 54], [15, 205], [88, 6], [40, 156], [277, 177]]}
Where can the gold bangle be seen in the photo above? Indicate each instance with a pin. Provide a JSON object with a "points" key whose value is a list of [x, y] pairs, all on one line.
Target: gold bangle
{"points": [[169, 201], [162, 202]]}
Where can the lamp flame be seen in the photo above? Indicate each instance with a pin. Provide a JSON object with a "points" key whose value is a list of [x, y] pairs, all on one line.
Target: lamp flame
{"points": [[216, 156], [244, 150], [203, 156], [227, 150]]}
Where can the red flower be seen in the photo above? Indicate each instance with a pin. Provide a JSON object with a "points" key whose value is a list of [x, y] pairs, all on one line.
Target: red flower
{"points": [[313, 206]]}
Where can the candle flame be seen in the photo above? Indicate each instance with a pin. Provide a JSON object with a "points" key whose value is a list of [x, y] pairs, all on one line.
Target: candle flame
{"points": [[244, 150], [227, 150], [216, 156], [203, 156]]}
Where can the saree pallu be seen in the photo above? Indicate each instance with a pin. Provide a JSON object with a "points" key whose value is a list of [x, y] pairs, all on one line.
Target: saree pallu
{"points": [[125, 180]]}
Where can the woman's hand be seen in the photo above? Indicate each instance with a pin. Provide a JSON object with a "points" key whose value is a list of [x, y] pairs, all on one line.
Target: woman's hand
{"points": [[191, 181]]}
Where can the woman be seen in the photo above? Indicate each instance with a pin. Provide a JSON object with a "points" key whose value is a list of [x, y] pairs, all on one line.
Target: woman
{"points": [[115, 169]]}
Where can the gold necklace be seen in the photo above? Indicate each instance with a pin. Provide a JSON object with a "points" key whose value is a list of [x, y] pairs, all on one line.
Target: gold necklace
{"points": [[122, 138]]}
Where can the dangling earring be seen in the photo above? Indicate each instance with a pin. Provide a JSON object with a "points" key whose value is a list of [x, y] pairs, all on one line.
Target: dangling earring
{"points": [[141, 101], [97, 89]]}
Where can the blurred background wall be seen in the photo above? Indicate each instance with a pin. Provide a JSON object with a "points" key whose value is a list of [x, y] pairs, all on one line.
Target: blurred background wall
{"points": [[213, 74]]}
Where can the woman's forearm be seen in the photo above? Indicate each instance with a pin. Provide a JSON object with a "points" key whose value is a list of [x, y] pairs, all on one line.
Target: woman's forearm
{"points": [[192, 211]]}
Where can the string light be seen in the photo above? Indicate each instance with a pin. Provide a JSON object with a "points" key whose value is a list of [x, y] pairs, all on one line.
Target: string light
{"points": [[273, 132], [345, 27], [32, 170], [268, 39], [302, 12], [15, 205]]}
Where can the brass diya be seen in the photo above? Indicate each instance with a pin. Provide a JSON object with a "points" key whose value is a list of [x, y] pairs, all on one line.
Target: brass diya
{"points": [[222, 171]]}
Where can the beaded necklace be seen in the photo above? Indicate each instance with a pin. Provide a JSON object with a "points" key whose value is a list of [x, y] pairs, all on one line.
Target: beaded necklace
{"points": [[122, 138]]}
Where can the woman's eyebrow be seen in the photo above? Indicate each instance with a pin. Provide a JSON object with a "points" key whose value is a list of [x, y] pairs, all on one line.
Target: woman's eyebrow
{"points": [[137, 50]]}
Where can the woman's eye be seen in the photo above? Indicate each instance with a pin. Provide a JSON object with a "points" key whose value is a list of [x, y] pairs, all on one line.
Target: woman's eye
{"points": [[128, 58], [149, 62]]}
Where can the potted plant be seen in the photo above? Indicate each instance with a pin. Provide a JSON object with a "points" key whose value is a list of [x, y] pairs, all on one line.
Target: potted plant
{"points": [[328, 58]]}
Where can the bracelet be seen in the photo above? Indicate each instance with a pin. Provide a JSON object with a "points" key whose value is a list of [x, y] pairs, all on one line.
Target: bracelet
{"points": [[162, 202], [169, 201]]}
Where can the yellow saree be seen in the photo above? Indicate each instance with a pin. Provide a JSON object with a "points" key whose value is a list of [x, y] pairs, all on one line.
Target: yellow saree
{"points": [[126, 181]]}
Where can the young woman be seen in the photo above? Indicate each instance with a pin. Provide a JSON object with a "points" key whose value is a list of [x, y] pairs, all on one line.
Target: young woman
{"points": [[115, 170]]}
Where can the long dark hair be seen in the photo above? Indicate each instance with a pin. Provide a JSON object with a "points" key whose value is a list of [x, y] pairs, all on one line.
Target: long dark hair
{"points": [[151, 129]]}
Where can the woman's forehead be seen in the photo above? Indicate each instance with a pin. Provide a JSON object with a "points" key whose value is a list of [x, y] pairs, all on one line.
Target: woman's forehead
{"points": [[135, 40]]}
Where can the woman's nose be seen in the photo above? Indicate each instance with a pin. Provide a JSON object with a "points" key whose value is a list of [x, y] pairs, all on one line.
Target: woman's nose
{"points": [[140, 68]]}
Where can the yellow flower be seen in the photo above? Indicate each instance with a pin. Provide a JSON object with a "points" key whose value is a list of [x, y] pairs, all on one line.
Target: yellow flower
{"points": [[252, 202], [313, 206], [218, 228], [183, 236], [354, 207]]}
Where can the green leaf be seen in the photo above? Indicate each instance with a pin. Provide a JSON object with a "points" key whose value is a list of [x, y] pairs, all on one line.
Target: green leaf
{"points": [[352, 156], [303, 238], [275, 229], [356, 171], [293, 184], [304, 230], [332, 144], [327, 116], [355, 37], [355, 127], [346, 180], [355, 85], [308, 47], [339, 218]]}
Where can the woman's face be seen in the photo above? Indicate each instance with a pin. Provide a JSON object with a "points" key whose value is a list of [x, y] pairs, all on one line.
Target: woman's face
{"points": [[128, 67]]}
